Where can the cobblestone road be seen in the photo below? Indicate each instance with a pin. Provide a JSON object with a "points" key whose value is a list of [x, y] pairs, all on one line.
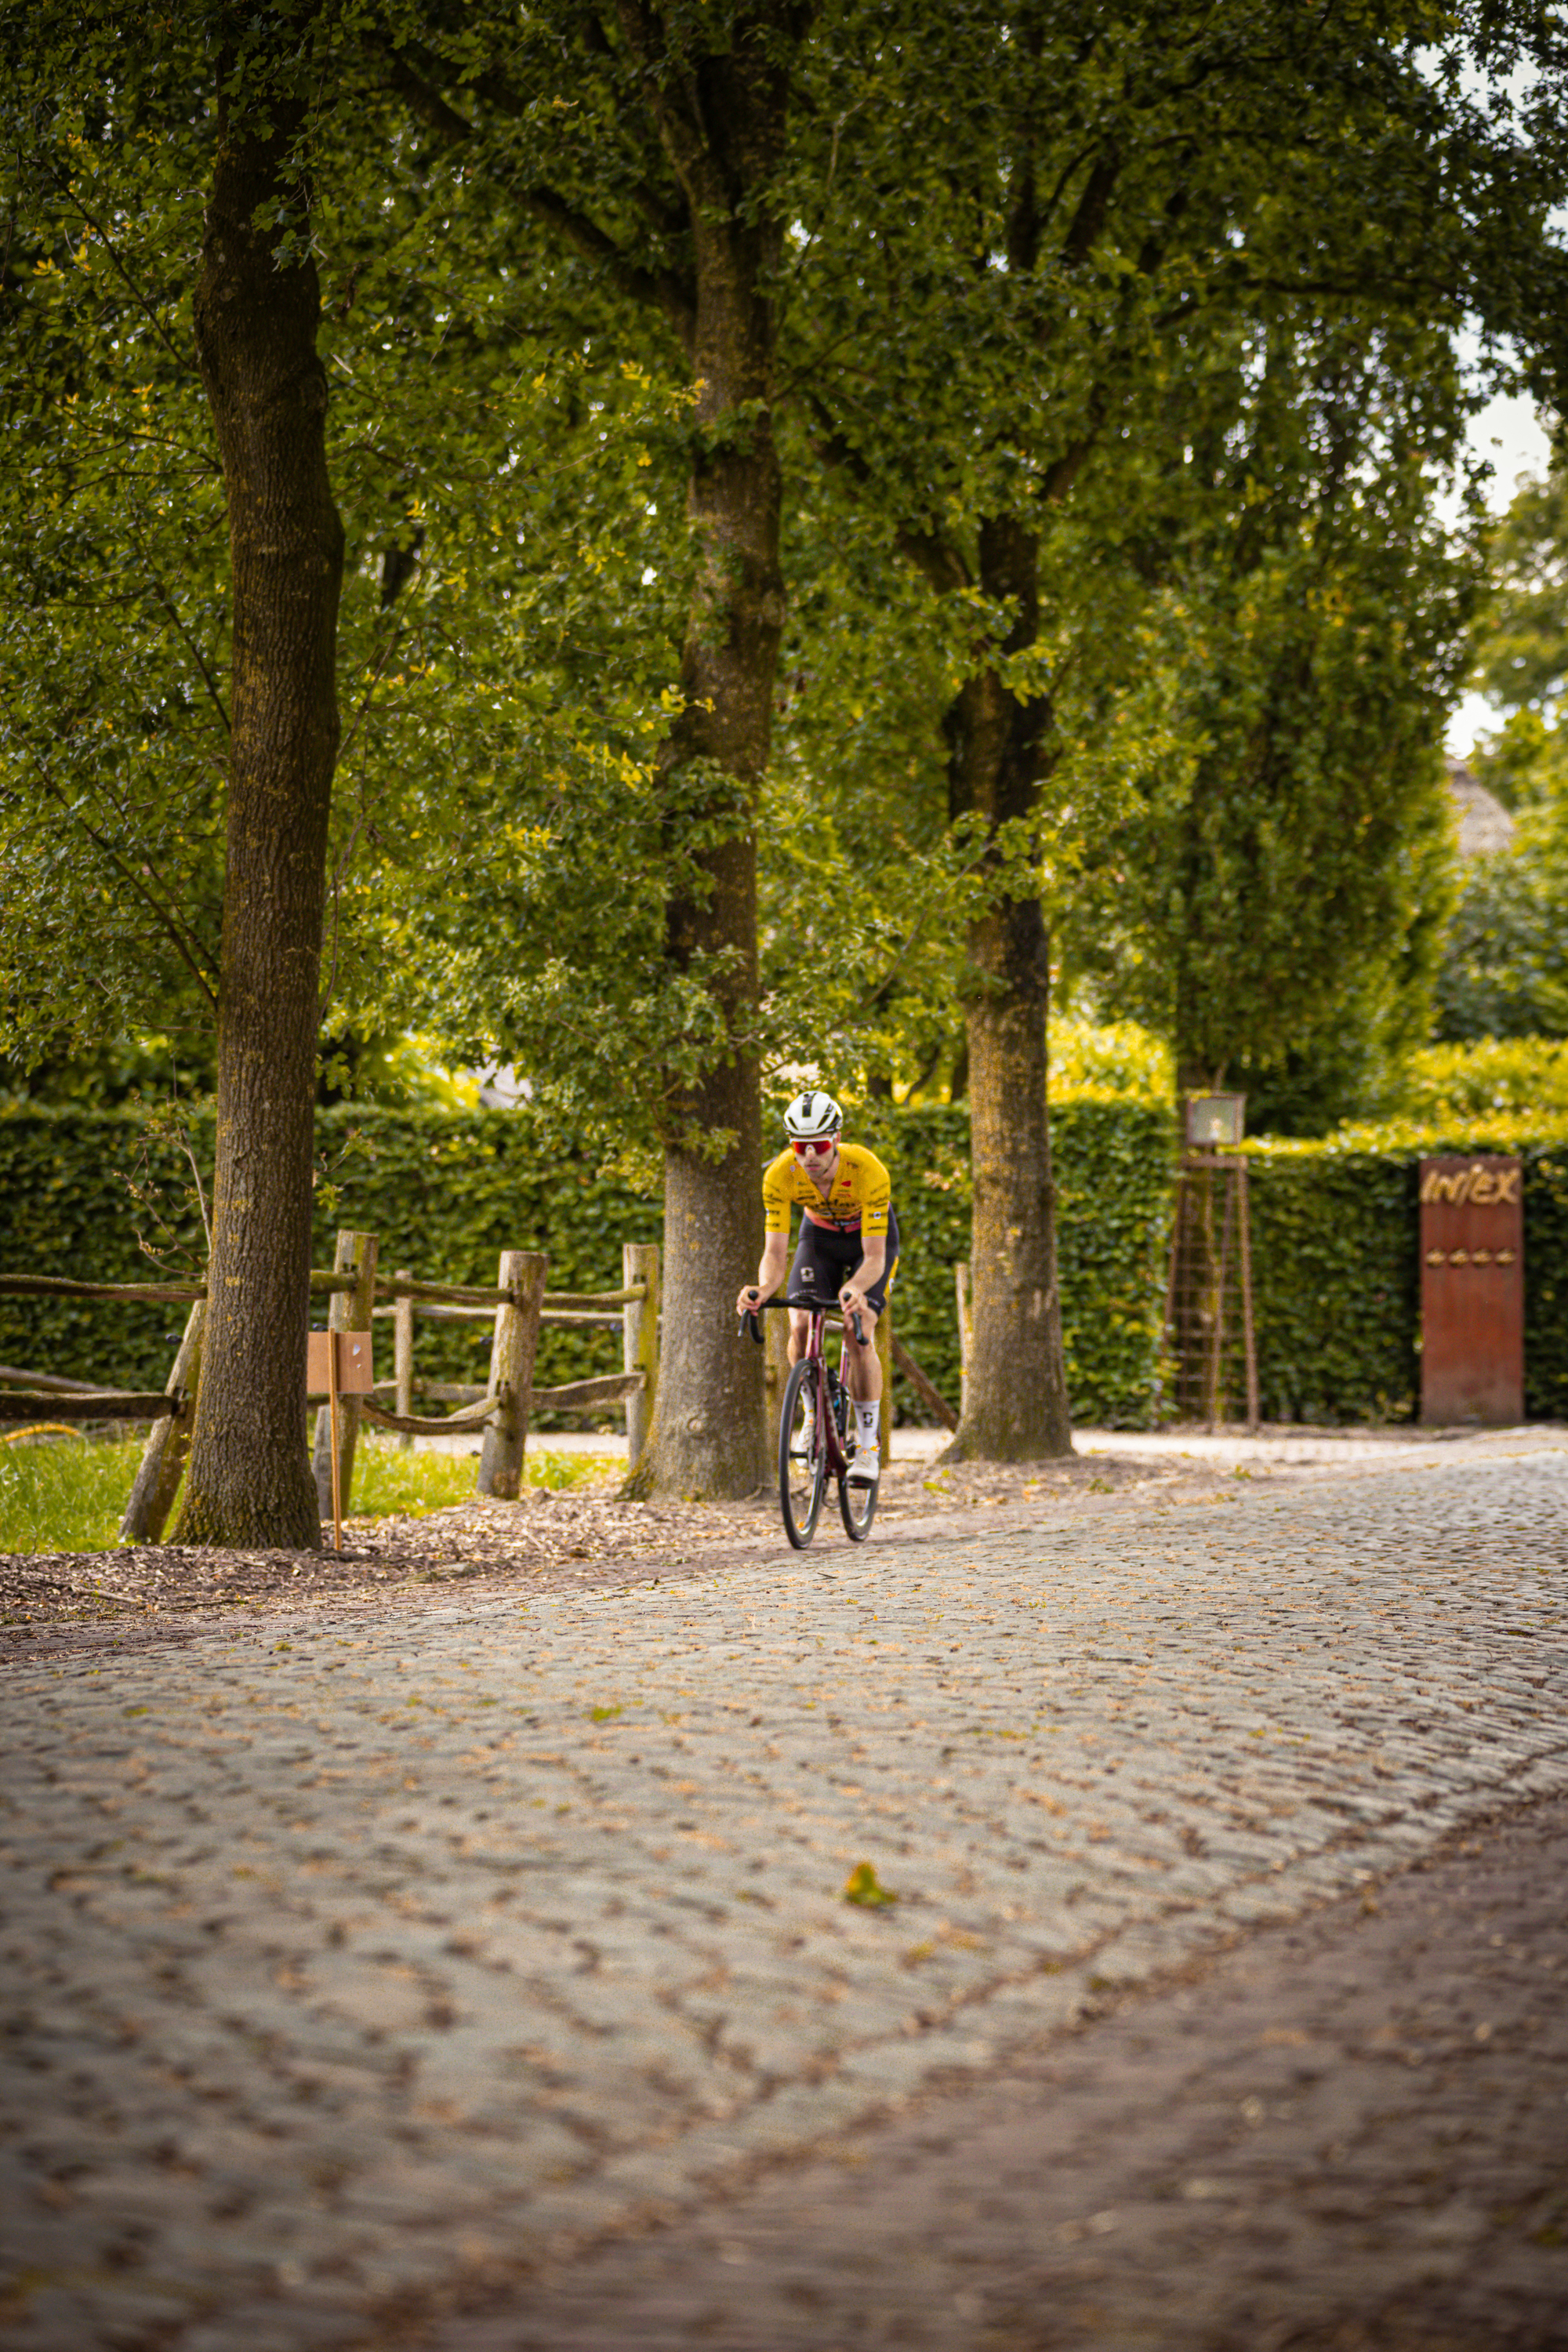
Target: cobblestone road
{"points": [[342, 1954]]}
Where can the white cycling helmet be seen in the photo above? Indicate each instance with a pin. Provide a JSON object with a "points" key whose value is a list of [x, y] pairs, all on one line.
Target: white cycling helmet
{"points": [[813, 1116]]}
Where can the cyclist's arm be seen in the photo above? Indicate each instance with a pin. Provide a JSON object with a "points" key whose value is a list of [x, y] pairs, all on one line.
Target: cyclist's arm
{"points": [[873, 1260], [874, 1226], [771, 1271], [774, 1263]]}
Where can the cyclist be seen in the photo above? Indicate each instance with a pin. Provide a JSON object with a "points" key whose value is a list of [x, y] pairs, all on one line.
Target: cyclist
{"points": [[848, 1248]]}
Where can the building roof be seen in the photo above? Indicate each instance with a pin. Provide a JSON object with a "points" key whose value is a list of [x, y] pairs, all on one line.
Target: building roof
{"points": [[1482, 822]]}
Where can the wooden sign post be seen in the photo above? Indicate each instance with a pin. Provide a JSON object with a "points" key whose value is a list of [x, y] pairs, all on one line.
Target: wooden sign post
{"points": [[338, 1363], [1472, 1290], [351, 1310]]}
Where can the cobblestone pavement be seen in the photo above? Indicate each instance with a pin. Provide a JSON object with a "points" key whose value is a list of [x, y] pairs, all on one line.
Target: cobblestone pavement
{"points": [[349, 1956], [1348, 2134]]}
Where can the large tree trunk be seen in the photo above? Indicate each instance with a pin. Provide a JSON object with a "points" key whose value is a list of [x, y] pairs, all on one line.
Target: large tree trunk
{"points": [[707, 1436], [1015, 1401], [249, 1482]]}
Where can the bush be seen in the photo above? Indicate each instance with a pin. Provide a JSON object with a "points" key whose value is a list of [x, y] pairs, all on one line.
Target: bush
{"points": [[1335, 1233], [1336, 1267], [1335, 1283], [1454, 1086], [446, 1191]]}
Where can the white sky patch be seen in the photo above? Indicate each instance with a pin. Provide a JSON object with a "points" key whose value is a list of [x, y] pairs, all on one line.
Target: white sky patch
{"points": [[1508, 433]]}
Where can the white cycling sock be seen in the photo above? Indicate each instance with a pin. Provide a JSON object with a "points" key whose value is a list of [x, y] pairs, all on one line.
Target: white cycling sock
{"points": [[867, 1417]]}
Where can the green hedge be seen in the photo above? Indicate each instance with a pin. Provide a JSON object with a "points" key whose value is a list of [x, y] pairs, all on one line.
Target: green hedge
{"points": [[1334, 1245], [1112, 1164], [1337, 1273], [446, 1191], [1335, 1286]]}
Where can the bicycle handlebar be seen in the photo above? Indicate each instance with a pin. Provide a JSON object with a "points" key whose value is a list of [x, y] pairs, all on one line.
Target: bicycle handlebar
{"points": [[752, 1319]]}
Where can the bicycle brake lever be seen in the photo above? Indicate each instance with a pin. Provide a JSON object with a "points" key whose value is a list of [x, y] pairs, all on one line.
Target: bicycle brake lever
{"points": [[859, 1329]]}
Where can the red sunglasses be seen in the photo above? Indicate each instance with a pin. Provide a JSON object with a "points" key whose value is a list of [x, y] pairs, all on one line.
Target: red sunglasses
{"points": [[804, 1144]]}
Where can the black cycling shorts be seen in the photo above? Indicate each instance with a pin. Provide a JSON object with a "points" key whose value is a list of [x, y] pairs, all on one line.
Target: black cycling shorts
{"points": [[826, 1258]]}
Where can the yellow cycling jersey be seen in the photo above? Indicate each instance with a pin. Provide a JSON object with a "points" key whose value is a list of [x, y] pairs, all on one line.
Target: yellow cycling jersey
{"points": [[858, 1195]]}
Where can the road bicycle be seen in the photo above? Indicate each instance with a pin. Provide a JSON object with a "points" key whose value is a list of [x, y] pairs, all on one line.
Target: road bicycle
{"points": [[814, 1426]]}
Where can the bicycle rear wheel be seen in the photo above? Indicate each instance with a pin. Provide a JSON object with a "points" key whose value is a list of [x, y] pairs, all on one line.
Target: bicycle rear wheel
{"points": [[803, 1454]]}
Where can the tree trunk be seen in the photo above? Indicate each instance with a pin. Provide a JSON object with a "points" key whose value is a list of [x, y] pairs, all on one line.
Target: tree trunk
{"points": [[707, 1436], [1015, 1401], [249, 1482]]}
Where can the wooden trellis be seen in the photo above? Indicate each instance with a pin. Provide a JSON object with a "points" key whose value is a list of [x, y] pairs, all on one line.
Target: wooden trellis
{"points": [[1209, 1332]]}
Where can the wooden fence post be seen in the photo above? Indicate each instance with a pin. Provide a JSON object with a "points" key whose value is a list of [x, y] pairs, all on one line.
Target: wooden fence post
{"points": [[351, 1310], [512, 1352], [168, 1442], [883, 1340], [403, 1356], [639, 1341], [965, 1332]]}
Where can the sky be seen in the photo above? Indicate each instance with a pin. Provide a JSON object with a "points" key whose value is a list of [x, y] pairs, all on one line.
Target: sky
{"points": [[1507, 432]]}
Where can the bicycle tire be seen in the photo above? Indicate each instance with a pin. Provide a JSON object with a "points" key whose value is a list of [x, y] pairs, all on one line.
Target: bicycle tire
{"points": [[802, 1455], [857, 1508]]}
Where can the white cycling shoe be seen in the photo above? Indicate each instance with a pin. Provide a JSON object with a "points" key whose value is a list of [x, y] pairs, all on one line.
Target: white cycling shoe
{"points": [[865, 1466]]}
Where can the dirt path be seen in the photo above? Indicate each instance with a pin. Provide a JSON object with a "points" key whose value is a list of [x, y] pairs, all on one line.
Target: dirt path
{"points": [[1350, 2134]]}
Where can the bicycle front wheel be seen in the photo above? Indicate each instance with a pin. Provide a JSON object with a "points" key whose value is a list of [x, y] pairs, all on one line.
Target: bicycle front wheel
{"points": [[857, 1508], [803, 1454]]}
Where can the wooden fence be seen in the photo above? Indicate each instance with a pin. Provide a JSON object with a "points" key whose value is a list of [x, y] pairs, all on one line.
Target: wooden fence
{"points": [[518, 1307]]}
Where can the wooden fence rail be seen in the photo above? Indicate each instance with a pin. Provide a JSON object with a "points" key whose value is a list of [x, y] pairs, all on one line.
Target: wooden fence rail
{"points": [[517, 1309], [102, 1404], [150, 1293], [49, 1383]]}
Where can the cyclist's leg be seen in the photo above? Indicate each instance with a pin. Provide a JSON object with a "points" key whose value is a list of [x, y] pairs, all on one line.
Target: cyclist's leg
{"points": [[862, 1365], [813, 1274]]}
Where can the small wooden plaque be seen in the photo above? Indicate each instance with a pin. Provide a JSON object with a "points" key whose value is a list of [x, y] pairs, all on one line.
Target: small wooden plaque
{"points": [[355, 1375]]}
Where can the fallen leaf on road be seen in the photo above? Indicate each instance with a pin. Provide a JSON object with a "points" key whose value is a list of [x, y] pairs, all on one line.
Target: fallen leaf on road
{"points": [[862, 1886]]}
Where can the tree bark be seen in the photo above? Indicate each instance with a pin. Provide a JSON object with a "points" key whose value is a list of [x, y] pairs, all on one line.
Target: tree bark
{"points": [[707, 1436], [1016, 1403], [249, 1482]]}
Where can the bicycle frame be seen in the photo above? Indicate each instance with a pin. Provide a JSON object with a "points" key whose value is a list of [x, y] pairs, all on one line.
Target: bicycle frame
{"points": [[820, 1455], [827, 1426], [817, 1332]]}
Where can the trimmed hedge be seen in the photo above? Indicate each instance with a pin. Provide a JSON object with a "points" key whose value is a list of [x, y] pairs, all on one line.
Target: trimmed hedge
{"points": [[1111, 1165], [446, 1191], [1335, 1286], [1337, 1272], [1336, 1255]]}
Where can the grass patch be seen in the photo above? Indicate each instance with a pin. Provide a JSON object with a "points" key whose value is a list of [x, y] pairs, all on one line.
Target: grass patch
{"points": [[68, 1494], [388, 1481], [63, 1494]]}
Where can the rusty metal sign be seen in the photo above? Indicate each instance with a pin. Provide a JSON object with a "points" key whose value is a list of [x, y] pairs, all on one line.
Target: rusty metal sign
{"points": [[1472, 1290]]}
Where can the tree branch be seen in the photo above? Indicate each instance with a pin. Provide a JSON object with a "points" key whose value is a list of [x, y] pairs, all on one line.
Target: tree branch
{"points": [[185, 635], [180, 938], [182, 359], [937, 560], [1088, 221], [1060, 476], [664, 290]]}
